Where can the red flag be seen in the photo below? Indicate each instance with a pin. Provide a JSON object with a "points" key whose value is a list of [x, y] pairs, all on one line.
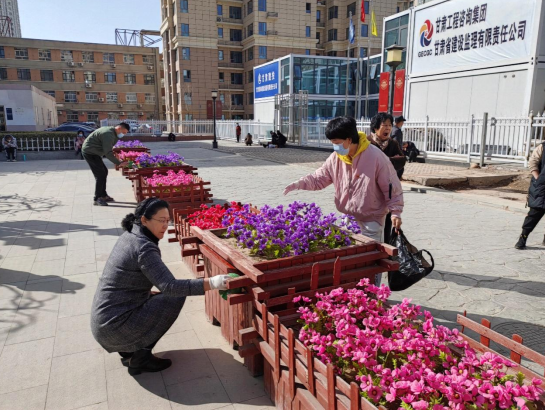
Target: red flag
{"points": [[363, 11]]}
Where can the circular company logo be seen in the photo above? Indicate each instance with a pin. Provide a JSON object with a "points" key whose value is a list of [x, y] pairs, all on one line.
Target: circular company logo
{"points": [[426, 33]]}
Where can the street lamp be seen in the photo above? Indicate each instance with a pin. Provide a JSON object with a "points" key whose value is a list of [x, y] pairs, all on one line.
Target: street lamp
{"points": [[394, 57], [214, 97]]}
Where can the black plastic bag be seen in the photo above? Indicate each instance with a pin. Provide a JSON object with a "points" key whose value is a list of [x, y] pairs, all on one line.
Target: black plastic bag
{"points": [[413, 267]]}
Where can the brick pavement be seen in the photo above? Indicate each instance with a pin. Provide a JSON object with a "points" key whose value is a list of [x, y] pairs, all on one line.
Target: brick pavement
{"points": [[54, 243]]}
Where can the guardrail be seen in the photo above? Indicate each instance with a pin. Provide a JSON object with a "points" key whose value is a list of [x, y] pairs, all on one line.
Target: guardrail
{"points": [[45, 143]]}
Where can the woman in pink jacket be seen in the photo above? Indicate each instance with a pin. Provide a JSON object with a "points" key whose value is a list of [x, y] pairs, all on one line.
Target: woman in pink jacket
{"points": [[366, 184]]}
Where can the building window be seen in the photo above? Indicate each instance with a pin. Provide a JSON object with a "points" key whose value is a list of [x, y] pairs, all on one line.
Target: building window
{"points": [[149, 79], [236, 78], [50, 92], [91, 97], [250, 54], [131, 98], [307, 52], [67, 55], [318, 16], [250, 6], [250, 76], [111, 97], [222, 77], [88, 56], [366, 7], [90, 77], [70, 97], [235, 35], [332, 53], [3, 74], [110, 78], [46, 75], [188, 98], [21, 53], [185, 30], [69, 76], [351, 8], [333, 12], [307, 31], [92, 116], [108, 58], [128, 58], [236, 57], [262, 5], [262, 52], [148, 59], [184, 6], [130, 78], [187, 76], [251, 30], [308, 8], [235, 12], [72, 117], [150, 98], [237, 99], [113, 116], [2, 52], [222, 98], [250, 98], [220, 55], [220, 32], [220, 10], [44, 55], [332, 35], [364, 30], [262, 29]]}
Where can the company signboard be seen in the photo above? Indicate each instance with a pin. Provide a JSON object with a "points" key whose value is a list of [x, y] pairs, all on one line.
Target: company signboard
{"points": [[266, 81], [456, 35]]}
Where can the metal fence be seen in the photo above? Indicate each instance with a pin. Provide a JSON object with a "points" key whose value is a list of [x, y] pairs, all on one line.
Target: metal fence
{"points": [[501, 139], [45, 143]]}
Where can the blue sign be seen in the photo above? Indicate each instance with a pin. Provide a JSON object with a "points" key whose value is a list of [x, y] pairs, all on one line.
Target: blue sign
{"points": [[266, 81]]}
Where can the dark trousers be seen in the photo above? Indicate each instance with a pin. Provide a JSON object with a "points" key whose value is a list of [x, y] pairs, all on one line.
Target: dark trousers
{"points": [[11, 152], [388, 228], [100, 171], [400, 173], [238, 138], [532, 220]]}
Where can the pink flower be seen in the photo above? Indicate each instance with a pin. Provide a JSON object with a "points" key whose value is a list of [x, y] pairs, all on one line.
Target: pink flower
{"points": [[375, 393], [420, 405]]}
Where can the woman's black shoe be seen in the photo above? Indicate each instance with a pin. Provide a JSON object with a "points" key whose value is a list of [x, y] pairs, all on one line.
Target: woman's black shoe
{"points": [[521, 243], [145, 361], [126, 354]]}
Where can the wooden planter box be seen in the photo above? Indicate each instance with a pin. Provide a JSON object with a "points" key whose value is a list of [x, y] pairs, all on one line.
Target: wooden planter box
{"points": [[192, 257], [294, 379], [117, 151], [135, 176]]}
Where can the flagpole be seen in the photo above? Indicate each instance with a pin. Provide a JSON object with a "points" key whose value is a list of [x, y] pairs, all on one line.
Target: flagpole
{"points": [[347, 68]]}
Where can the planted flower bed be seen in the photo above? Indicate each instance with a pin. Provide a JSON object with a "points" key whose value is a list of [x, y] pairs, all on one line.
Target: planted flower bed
{"points": [[133, 145], [348, 349], [129, 156], [277, 252]]}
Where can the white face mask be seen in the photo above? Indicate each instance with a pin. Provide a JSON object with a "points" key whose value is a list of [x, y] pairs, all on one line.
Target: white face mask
{"points": [[120, 135]]}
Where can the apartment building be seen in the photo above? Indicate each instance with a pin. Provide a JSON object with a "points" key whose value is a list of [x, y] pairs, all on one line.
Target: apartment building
{"points": [[89, 82], [10, 8], [215, 44]]}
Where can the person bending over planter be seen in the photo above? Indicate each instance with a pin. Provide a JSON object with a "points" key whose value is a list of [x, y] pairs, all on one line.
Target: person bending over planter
{"points": [[366, 184], [127, 317]]}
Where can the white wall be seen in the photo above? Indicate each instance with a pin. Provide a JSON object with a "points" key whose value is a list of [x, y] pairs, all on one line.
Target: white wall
{"points": [[30, 108], [264, 110]]}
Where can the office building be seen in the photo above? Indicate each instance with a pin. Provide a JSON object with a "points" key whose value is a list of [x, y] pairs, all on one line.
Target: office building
{"points": [[10, 8], [89, 82], [216, 44]]}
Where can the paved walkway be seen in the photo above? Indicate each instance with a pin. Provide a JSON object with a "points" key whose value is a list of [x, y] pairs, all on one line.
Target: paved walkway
{"points": [[54, 243]]}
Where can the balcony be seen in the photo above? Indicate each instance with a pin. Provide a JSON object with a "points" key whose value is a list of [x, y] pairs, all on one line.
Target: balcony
{"points": [[229, 43], [272, 33], [320, 46], [234, 107], [230, 65], [228, 20], [227, 86], [272, 14], [321, 3], [320, 24]]}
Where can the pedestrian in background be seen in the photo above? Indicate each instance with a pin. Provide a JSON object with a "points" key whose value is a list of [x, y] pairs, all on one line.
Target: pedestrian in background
{"points": [[381, 127], [98, 144], [397, 133], [78, 144], [239, 132], [536, 196], [366, 185], [282, 140], [171, 137], [248, 140], [10, 145]]}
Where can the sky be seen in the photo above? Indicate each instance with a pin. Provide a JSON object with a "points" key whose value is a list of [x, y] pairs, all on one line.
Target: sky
{"points": [[92, 21]]}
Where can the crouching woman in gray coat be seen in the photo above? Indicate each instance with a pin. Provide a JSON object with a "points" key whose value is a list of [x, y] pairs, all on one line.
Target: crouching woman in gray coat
{"points": [[126, 317]]}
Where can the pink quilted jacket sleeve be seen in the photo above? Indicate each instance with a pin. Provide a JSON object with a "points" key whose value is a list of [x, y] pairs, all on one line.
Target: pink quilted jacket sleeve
{"points": [[320, 179]]}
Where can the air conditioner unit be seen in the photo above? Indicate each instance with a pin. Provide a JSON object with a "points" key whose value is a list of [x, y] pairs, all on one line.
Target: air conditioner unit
{"points": [[140, 105], [150, 67], [59, 112], [80, 64], [141, 113], [121, 113], [113, 65], [219, 19], [120, 105], [88, 85], [101, 99], [71, 64]]}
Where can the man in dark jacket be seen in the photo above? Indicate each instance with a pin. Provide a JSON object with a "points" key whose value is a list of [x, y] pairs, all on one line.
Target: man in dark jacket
{"points": [[397, 134], [238, 130], [98, 144], [536, 196]]}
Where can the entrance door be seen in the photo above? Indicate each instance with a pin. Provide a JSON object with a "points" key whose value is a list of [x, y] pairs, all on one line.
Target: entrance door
{"points": [[2, 119]]}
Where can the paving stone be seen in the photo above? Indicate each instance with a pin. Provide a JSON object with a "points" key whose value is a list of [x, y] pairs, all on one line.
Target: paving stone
{"points": [[25, 365], [205, 393], [99, 406], [77, 380], [29, 399], [31, 324], [74, 335], [259, 403]]}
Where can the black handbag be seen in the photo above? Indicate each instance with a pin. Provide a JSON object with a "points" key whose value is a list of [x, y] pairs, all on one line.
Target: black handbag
{"points": [[413, 267]]}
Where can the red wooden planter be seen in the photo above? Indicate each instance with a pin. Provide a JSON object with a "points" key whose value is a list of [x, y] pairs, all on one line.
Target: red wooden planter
{"points": [[135, 174], [117, 151]]}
